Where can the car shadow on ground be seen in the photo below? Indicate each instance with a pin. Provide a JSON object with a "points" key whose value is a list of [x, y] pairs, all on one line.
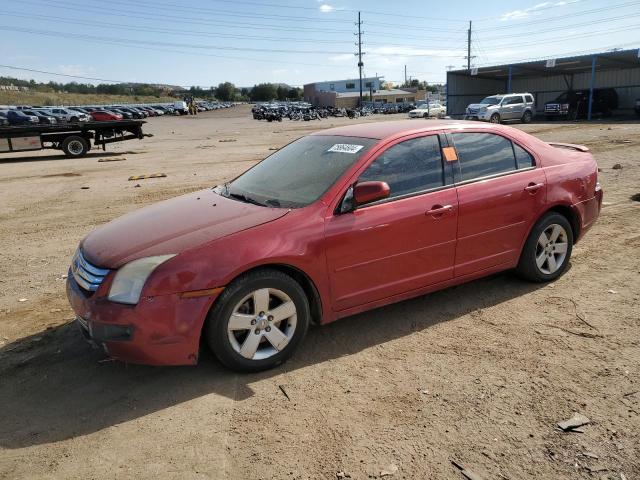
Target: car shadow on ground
{"points": [[43, 158], [54, 386]]}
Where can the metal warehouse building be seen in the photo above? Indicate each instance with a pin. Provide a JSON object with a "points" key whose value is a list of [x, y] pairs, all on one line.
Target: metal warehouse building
{"points": [[547, 79]]}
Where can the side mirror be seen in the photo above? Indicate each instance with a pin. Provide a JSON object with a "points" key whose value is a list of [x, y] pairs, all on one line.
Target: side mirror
{"points": [[367, 192]]}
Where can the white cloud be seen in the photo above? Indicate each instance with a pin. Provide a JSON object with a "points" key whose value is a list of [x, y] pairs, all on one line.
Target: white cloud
{"points": [[326, 8], [526, 12], [78, 70]]}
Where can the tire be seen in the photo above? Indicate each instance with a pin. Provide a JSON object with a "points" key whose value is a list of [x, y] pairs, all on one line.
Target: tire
{"points": [[74, 119], [75, 146], [240, 300], [425, 116], [495, 118], [573, 115], [527, 117], [536, 264]]}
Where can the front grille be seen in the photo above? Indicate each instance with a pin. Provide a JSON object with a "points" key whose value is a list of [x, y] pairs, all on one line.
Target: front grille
{"points": [[473, 111], [554, 107], [88, 276]]}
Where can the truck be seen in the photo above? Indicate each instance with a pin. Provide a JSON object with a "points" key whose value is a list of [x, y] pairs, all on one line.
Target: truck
{"points": [[74, 139], [574, 104]]}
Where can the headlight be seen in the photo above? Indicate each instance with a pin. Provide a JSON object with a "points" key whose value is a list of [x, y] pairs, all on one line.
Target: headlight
{"points": [[482, 109], [129, 280]]}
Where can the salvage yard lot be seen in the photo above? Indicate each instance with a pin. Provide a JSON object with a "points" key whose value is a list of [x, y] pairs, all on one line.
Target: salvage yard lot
{"points": [[479, 373]]}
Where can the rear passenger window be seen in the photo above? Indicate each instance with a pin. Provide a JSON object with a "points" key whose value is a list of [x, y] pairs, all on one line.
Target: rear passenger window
{"points": [[408, 167], [523, 158], [483, 154]]}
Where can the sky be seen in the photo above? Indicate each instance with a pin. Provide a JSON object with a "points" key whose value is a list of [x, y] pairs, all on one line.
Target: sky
{"points": [[205, 42]]}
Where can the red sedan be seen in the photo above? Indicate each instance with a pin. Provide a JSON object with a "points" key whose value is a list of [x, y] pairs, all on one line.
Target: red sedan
{"points": [[335, 223], [104, 116]]}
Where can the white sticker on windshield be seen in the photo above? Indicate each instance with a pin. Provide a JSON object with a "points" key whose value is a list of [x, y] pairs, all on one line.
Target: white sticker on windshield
{"points": [[345, 148]]}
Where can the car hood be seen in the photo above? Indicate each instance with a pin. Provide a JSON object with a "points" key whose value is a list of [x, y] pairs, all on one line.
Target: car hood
{"points": [[480, 105], [173, 226]]}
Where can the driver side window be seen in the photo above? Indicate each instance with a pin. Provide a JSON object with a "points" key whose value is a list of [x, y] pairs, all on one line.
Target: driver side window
{"points": [[408, 167]]}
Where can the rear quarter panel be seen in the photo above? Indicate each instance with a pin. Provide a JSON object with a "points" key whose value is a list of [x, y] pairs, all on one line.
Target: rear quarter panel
{"points": [[571, 181]]}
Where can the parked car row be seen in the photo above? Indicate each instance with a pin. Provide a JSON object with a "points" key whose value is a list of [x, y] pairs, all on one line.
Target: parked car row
{"points": [[48, 115], [570, 105]]}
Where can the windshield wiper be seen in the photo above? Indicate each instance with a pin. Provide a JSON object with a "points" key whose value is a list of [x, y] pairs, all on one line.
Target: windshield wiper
{"points": [[244, 198]]}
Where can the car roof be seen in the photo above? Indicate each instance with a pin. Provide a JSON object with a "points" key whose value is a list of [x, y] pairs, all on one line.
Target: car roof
{"points": [[398, 128]]}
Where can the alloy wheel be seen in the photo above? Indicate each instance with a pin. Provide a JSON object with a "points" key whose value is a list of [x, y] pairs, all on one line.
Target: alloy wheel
{"points": [[551, 250], [262, 324]]}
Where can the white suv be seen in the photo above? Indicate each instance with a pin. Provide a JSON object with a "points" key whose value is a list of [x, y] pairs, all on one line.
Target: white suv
{"points": [[497, 108], [69, 115]]}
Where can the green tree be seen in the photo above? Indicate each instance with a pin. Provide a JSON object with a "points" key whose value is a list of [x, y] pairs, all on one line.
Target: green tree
{"points": [[226, 92], [263, 92]]}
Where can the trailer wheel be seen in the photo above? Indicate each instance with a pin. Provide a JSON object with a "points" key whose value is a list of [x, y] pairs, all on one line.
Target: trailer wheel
{"points": [[75, 146]]}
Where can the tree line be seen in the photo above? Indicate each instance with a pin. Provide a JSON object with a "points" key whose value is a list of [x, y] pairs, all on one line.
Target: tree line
{"points": [[224, 92], [261, 92]]}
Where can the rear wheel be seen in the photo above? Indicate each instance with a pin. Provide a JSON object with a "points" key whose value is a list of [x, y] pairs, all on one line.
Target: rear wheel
{"points": [[75, 146], [495, 118], [526, 118], [546, 253], [258, 321]]}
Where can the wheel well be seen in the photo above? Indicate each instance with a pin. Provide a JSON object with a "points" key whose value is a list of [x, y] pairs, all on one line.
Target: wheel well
{"points": [[570, 215], [310, 290]]}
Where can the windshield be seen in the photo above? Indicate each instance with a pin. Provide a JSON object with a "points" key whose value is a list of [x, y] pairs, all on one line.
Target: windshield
{"points": [[491, 100], [299, 173]]}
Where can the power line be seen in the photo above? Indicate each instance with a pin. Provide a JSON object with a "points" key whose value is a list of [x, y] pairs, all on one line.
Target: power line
{"points": [[181, 32], [624, 28], [190, 20], [186, 33], [553, 29], [562, 17], [536, 8], [127, 41], [564, 54]]}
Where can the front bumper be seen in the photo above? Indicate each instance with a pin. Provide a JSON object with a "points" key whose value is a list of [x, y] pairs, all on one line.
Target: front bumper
{"points": [[483, 116], [161, 330]]}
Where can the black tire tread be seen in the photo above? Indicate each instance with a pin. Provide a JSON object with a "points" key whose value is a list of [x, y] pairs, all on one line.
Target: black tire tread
{"points": [[215, 327], [527, 268]]}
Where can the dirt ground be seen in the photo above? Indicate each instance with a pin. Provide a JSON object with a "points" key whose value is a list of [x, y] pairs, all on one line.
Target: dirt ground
{"points": [[479, 374]]}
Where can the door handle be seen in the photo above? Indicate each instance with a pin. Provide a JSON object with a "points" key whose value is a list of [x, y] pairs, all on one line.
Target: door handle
{"points": [[438, 210], [533, 187]]}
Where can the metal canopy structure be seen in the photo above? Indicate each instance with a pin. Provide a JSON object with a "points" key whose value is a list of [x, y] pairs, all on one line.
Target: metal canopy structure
{"points": [[548, 78]]}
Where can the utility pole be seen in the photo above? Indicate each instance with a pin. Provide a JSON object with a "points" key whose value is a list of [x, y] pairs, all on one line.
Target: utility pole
{"points": [[405, 74], [469, 47], [359, 54]]}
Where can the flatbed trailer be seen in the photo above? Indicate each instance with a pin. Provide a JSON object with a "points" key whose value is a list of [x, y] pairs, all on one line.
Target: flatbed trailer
{"points": [[74, 139]]}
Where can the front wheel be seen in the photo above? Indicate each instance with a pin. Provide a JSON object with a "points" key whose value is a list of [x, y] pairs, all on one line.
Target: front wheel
{"points": [[258, 321], [495, 118], [546, 253]]}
